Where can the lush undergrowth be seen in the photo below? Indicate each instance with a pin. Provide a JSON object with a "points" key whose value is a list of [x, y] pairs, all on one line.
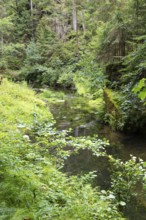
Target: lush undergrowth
{"points": [[49, 46], [32, 187]]}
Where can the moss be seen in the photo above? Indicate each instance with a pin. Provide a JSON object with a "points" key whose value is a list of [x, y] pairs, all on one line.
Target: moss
{"points": [[82, 85], [97, 103], [52, 95], [113, 113], [19, 105]]}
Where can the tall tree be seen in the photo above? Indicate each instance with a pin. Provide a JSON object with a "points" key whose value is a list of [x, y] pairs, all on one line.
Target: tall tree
{"points": [[74, 13]]}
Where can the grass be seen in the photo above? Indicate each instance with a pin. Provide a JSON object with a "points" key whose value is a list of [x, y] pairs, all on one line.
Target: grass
{"points": [[18, 104], [51, 94], [32, 187]]}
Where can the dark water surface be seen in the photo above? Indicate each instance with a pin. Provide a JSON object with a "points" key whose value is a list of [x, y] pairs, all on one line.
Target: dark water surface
{"points": [[73, 112]]}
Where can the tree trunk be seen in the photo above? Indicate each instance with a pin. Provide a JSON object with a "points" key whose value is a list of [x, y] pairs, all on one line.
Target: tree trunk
{"points": [[31, 13], [31, 8], [75, 26], [2, 44], [83, 22], [137, 16], [74, 13], [17, 6], [123, 44]]}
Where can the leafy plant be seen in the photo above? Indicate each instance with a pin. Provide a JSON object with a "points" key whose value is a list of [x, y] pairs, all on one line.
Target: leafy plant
{"points": [[128, 179], [140, 89]]}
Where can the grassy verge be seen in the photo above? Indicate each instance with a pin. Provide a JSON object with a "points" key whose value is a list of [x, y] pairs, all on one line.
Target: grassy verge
{"points": [[32, 187]]}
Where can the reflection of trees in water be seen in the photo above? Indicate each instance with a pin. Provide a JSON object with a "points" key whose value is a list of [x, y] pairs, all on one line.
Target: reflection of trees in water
{"points": [[85, 162], [80, 131]]}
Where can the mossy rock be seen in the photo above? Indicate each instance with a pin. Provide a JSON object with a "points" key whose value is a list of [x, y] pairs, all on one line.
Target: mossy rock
{"points": [[113, 113]]}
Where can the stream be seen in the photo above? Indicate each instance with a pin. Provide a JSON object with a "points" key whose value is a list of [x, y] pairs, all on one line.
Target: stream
{"points": [[73, 112]]}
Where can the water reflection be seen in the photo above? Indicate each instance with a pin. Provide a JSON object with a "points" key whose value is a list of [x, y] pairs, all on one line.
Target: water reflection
{"points": [[74, 113], [79, 131]]}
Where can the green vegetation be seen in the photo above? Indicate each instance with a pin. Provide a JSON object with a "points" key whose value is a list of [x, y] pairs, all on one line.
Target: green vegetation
{"points": [[74, 45], [32, 152], [31, 185], [51, 96], [96, 49]]}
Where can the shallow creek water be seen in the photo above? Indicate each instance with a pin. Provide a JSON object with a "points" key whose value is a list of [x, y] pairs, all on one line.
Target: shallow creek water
{"points": [[73, 112]]}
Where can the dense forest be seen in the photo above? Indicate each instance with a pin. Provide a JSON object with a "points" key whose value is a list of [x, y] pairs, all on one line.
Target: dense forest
{"points": [[94, 50], [94, 47]]}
